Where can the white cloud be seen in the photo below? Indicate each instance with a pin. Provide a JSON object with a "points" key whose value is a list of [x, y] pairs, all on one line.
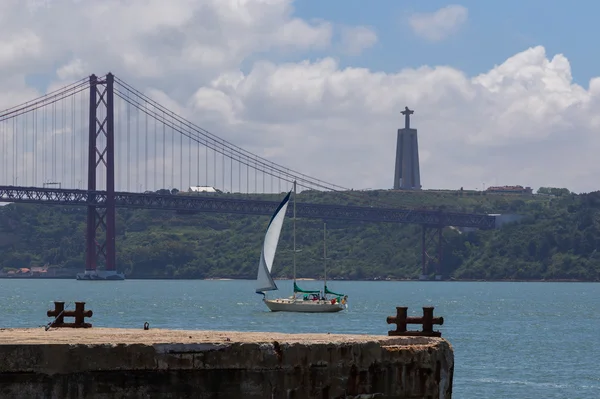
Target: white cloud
{"points": [[193, 39], [19, 47], [357, 39], [440, 24], [510, 125], [73, 70], [522, 122]]}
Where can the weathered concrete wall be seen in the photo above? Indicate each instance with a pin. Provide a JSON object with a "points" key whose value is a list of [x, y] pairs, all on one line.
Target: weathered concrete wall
{"points": [[118, 363]]}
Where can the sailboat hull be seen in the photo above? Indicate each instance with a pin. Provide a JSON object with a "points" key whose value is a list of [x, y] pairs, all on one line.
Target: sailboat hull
{"points": [[291, 305]]}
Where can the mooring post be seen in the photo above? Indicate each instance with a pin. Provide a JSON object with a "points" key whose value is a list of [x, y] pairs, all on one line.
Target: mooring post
{"points": [[427, 321], [58, 312], [400, 319], [79, 312]]}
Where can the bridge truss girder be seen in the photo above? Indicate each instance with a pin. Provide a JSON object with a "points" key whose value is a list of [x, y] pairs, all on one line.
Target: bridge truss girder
{"points": [[217, 204]]}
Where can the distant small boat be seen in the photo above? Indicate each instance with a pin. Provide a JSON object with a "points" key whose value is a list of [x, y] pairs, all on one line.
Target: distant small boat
{"points": [[310, 301], [100, 275]]}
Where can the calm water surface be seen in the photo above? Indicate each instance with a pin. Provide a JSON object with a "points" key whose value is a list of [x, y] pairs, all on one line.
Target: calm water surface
{"points": [[511, 340]]}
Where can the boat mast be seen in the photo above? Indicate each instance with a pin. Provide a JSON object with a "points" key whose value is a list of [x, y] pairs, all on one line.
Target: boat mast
{"points": [[325, 256], [294, 234]]}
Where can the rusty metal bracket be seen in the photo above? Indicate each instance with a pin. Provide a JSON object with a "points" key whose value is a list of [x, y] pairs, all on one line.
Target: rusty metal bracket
{"points": [[427, 321], [59, 313]]}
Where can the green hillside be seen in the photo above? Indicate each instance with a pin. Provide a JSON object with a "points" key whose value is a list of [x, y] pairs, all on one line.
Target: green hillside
{"points": [[557, 240]]}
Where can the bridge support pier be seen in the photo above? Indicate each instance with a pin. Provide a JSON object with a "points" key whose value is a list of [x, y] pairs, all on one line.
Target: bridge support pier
{"points": [[101, 158], [431, 251]]}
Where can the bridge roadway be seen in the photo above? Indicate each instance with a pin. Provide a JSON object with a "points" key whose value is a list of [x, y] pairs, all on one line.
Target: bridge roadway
{"points": [[217, 204]]}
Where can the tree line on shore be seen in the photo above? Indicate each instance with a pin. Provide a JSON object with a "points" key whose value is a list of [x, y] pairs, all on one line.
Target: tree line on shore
{"points": [[556, 240]]}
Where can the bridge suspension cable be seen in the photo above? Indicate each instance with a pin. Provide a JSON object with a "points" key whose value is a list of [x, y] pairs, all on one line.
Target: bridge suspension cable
{"points": [[235, 153], [53, 157], [220, 145], [45, 100]]}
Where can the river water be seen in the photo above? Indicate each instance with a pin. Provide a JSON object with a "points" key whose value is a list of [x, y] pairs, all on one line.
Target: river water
{"points": [[511, 340]]}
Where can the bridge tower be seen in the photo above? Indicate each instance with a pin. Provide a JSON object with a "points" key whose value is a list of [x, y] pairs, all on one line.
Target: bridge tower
{"points": [[406, 173], [101, 160]]}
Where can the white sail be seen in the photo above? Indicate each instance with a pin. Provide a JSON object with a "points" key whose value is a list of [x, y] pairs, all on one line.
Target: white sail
{"points": [[264, 280]]}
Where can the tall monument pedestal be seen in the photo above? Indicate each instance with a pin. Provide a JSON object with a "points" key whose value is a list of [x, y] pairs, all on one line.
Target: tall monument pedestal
{"points": [[407, 175]]}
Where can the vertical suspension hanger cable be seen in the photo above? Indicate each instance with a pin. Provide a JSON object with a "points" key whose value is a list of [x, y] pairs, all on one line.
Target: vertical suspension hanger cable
{"points": [[35, 153], [33, 147], [28, 131], [5, 151], [164, 152], [155, 157], [180, 160], [73, 135], [21, 166], [158, 161], [44, 135], [2, 177], [214, 169], [84, 101], [25, 148], [64, 140], [138, 185], [82, 139], [2, 151], [14, 151], [189, 162], [80, 144], [117, 121], [128, 138], [146, 151], [172, 157], [53, 141]]}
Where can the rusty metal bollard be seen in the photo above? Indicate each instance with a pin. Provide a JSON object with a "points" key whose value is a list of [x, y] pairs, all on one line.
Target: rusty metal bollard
{"points": [[427, 321], [59, 313]]}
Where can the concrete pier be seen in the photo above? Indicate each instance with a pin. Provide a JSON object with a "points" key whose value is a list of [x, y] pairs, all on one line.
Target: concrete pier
{"points": [[126, 363]]}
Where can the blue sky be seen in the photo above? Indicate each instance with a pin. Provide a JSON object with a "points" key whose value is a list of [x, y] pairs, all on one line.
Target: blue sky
{"points": [[494, 31]]}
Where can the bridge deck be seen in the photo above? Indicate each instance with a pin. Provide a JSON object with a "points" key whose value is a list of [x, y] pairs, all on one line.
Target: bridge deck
{"points": [[207, 203]]}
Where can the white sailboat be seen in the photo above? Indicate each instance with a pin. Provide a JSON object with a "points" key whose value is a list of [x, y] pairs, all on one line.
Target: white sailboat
{"points": [[311, 301]]}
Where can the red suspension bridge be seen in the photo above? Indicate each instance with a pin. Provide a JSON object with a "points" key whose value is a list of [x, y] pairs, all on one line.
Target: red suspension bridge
{"points": [[138, 154]]}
